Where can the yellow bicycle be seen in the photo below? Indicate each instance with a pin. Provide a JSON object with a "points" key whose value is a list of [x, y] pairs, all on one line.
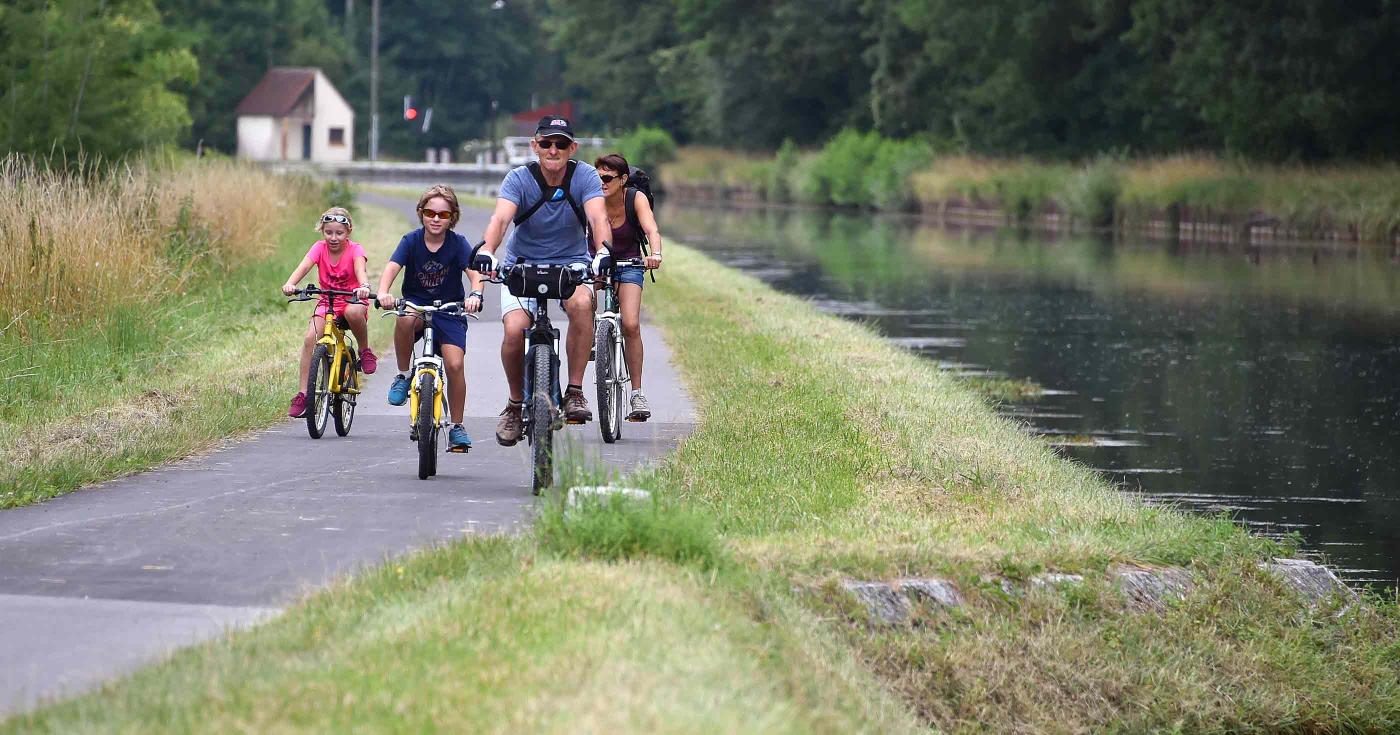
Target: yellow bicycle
{"points": [[333, 382], [427, 394]]}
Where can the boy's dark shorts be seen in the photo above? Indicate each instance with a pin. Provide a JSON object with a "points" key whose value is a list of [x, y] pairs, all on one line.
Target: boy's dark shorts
{"points": [[448, 329]]}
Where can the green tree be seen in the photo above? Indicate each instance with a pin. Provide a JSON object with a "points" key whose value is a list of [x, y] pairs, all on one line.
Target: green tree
{"points": [[90, 76]]}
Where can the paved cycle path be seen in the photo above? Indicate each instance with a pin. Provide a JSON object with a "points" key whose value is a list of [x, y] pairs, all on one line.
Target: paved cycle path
{"points": [[100, 581]]}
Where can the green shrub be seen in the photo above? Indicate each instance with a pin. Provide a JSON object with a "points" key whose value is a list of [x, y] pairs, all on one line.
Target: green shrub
{"points": [[1091, 195], [887, 179], [339, 193], [775, 183], [616, 528], [647, 147]]}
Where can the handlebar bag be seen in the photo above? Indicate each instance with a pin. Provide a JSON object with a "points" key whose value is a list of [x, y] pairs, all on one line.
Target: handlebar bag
{"points": [[541, 282]]}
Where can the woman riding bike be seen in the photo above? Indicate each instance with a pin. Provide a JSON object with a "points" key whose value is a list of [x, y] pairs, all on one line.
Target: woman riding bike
{"points": [[628, 234]]}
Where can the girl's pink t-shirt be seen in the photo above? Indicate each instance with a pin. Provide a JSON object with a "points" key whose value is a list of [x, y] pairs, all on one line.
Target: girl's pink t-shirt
{"points": [[339, 275]]}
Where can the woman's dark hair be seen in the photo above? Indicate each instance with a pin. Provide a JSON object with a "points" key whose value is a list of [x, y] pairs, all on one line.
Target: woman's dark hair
{"points": [[614, 161]]}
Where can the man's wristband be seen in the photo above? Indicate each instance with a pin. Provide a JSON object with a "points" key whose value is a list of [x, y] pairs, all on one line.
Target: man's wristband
{"points": [[477, 294]]}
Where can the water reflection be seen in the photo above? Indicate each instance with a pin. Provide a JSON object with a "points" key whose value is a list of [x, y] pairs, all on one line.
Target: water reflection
{"points": [[1262, 384]]}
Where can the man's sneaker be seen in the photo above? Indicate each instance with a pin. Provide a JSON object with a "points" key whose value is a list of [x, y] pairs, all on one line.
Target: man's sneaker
{"points": [[457, 439], [640, 410], [398, 392], [298, 407], [508, 429], [368, 362], [576, 407]]}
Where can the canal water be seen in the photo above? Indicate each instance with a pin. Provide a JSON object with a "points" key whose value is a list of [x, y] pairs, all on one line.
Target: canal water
{"points": [[1263, 384]]}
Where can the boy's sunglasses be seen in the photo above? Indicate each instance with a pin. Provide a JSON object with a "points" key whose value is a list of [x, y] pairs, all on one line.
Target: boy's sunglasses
{"points": [[342, 219], [433, 214], [560, 143], [608, 178]]}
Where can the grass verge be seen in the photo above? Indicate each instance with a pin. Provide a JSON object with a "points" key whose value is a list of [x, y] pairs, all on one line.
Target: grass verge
{"points": [[154, 382], [823, 454]]}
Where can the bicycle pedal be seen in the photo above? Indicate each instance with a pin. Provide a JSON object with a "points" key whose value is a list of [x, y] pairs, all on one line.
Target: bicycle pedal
{"points": [[459, 450], [575, 422]]}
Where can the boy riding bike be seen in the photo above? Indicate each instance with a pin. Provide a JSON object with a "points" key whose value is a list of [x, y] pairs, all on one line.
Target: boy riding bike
{"points": [[434, 259]]}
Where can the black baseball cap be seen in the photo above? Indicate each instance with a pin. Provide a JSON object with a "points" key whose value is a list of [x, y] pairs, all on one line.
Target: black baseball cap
{"points": [[555, 125]]}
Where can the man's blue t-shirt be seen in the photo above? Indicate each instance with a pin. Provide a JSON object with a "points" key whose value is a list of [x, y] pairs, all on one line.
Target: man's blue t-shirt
{"points": [[428, 276], [553, 233]]}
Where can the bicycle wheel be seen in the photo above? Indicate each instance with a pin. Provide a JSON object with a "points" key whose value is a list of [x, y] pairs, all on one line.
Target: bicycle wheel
{"points": [[427, 426], [343, 409], [541, 421], [605, 373], [318, 396]]}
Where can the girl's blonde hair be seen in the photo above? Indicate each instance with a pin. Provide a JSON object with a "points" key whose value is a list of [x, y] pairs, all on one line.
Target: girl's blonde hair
{"points": [[446, 192], [342, 211]]}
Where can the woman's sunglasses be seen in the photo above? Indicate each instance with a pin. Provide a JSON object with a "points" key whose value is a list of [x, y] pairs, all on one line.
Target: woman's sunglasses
{"points": [[433, 214], [342, 219], [560, 143], [609, 178]]}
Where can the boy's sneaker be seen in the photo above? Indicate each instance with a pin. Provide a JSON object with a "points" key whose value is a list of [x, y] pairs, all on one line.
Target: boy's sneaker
{"points": [[458, 440], [576, 409], [398, 392], [640, 410], [298, 407], [509, 428], [368, 362]]}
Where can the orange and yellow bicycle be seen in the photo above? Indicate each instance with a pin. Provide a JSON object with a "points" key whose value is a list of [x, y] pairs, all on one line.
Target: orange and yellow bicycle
{"points": [[333, 382]]}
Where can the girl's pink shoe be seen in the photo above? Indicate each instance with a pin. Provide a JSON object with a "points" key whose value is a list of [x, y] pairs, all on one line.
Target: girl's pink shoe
{"points": [[368, 362], [298, 407]]}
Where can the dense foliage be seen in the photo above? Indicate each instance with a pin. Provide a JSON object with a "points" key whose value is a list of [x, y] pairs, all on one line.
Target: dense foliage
{"points": [[1066, 78]]}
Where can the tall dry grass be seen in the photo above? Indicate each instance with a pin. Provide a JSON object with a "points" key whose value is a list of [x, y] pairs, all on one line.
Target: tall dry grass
{"points": [[77, 244]]}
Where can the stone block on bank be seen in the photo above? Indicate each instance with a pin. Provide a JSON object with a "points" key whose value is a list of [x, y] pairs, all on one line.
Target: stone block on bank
{"points": [[1315, 582], [1147, 587]]}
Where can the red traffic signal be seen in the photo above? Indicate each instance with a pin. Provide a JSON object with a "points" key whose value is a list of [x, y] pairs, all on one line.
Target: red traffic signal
{"points": [[409, 111]]}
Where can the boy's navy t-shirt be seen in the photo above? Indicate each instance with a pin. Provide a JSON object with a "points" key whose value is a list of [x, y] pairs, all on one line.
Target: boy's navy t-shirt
{"points": [[428, 276]]}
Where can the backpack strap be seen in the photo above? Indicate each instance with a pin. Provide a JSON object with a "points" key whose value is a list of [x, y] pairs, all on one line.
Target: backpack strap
{"points": [[547, 193]]}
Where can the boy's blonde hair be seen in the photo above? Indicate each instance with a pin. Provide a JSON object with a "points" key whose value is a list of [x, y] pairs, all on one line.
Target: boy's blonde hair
{"points": [[342, 211], [446, 192]]}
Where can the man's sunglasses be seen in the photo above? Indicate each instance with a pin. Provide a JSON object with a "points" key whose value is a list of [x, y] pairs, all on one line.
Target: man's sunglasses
{"points": [[560, 143], [342, 219], [608, 178], [433, 214]]}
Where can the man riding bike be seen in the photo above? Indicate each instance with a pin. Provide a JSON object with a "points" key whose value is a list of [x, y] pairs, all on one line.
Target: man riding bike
{"points": [[554, 205]]}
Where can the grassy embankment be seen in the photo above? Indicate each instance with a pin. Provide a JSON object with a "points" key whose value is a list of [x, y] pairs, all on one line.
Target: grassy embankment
{"points": [[824, 454], [141, 316], [1208, 197]]}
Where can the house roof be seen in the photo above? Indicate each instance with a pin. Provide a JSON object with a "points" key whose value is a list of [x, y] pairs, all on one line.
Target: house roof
{"points": [[278, 92]]}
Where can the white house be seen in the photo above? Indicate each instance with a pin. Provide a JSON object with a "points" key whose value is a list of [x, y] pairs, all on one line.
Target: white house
{"points": [[295, 114]]}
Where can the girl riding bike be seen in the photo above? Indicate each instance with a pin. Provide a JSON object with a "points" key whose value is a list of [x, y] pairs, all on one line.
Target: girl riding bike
{"points": [[340, 265]]}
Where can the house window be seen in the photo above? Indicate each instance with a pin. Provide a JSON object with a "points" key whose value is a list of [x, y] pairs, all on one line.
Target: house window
{"points": [[337, 136]]}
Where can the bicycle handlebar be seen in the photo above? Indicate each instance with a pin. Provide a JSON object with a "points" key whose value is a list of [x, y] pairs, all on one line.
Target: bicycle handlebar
{"points": [[310, 292]]}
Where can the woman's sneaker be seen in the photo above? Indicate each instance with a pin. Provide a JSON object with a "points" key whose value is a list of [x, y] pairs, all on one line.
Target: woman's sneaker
{"points": [[298, 407], [368, 362], [398, 391], [640, 410]]}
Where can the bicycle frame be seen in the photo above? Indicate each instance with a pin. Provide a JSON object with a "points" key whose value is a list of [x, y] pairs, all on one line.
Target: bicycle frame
{"points": [[427, 361], [337, 340]]}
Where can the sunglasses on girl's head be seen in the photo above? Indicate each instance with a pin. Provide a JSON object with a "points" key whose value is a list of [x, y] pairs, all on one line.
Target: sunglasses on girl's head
{"points": [[560, 143], [342, 219], [433, 214], [608, 178]]}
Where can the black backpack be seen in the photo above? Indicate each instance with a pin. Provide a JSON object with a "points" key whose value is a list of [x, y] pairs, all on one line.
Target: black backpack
{"points": [[547, 193], [638, 182]]}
